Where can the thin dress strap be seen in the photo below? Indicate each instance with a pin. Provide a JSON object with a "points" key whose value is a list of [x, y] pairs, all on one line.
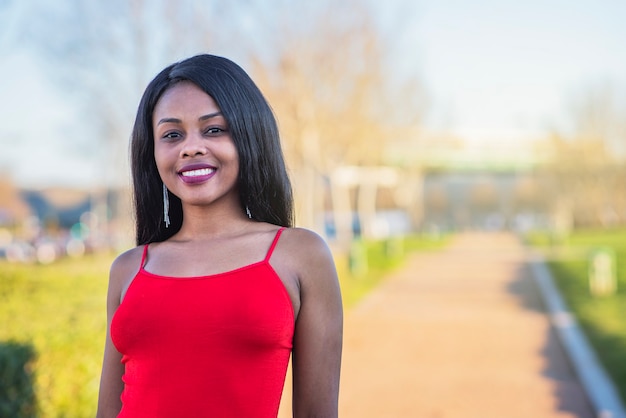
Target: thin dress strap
{"points": [[143, 257], [271, 250]]}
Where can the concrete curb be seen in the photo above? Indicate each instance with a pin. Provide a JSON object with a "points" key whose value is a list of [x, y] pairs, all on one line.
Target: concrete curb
{"points": [[596, 382]]}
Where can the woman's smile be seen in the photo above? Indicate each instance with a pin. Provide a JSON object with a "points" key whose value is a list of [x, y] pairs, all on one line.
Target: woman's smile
{"points": [[196, 173]]}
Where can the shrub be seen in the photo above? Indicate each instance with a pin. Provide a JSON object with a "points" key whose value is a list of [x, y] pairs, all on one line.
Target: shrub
{"points": [[17, 394]]}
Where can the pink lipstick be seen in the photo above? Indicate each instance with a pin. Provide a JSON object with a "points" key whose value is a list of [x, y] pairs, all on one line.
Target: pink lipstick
{"points": [[196, 173]]}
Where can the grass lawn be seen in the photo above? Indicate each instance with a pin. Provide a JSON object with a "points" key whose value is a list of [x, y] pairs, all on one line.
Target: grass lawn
{"points": [[61, 310], [603, 318]]}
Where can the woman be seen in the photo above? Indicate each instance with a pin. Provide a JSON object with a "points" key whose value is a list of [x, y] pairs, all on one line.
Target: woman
{"points": [[204, 313]]}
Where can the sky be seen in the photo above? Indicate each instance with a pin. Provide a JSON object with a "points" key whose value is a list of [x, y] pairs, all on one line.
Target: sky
{"points": [[494, 71], [510, 69], [39, 130]]}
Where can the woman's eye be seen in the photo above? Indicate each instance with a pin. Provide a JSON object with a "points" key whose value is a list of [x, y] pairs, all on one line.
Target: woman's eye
{"points": [[171, 135], [214, 130]]}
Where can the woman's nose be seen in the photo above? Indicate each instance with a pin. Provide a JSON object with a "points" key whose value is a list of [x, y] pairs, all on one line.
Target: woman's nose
{"points": [[193, 145]]}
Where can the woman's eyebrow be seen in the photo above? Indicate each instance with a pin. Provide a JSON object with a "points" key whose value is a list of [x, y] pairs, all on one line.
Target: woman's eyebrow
{"points": [[201, 118], [169, 120], [209, 116]]}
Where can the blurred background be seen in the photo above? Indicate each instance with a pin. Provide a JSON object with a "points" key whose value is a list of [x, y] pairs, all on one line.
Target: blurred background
{"points": [[412, 115], [398, 118]]}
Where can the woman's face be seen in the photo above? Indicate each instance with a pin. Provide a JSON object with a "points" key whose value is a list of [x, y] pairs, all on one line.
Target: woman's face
{"points": [[194, 152]]}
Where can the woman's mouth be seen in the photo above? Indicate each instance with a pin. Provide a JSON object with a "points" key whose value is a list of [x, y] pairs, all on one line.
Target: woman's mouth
{"points": [[192, 175]]}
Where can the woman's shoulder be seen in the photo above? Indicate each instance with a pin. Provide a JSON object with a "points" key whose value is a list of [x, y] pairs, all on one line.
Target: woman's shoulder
{"points": [[305, 246], [297, 238], [304, 238], [127, 263]]}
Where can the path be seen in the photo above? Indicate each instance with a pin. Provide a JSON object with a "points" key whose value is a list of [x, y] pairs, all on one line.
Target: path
{"points": [[460, 333]]}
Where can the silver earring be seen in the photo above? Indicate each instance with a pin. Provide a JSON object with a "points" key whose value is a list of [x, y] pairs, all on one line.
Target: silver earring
{"points": [[166, 207], [248, 212]]}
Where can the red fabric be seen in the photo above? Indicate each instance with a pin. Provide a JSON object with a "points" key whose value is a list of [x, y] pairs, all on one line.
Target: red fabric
{"points": [[211, 346]]}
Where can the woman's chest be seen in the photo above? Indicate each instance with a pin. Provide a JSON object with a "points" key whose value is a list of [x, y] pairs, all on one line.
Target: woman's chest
{"points": [[244, 308]]}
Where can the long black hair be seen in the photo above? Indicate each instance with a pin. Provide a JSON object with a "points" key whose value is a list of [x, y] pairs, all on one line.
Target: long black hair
{"points": [[264, 187]]}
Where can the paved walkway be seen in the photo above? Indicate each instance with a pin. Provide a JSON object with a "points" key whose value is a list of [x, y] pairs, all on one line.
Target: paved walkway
{"points": [[455, 334]]}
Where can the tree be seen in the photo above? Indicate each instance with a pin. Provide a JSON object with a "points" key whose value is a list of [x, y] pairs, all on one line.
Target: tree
{"points": [[102, 54], [330, 81], [586, 162], [324, 66], [13, 209]]}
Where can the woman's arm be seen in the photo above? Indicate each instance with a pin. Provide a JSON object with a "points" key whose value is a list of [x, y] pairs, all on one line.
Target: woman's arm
{"points": [[319, 329], [111, 384]]}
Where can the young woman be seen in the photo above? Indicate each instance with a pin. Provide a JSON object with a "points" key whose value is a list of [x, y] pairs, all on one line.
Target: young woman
{"points": [[205, 312]]}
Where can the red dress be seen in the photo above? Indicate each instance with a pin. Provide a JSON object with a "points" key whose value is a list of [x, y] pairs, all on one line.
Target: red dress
{"points": [[209, 346]]}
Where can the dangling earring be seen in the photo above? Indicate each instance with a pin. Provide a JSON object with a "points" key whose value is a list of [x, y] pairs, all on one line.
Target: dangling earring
{"points": [[166, 207], [248, 212]]}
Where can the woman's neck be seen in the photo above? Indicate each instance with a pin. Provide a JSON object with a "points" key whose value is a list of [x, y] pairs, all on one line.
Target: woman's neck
{"points": [[211, 221]]}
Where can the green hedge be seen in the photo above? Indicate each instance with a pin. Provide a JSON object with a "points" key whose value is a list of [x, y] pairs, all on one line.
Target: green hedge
{"points": [[17, 392]]}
